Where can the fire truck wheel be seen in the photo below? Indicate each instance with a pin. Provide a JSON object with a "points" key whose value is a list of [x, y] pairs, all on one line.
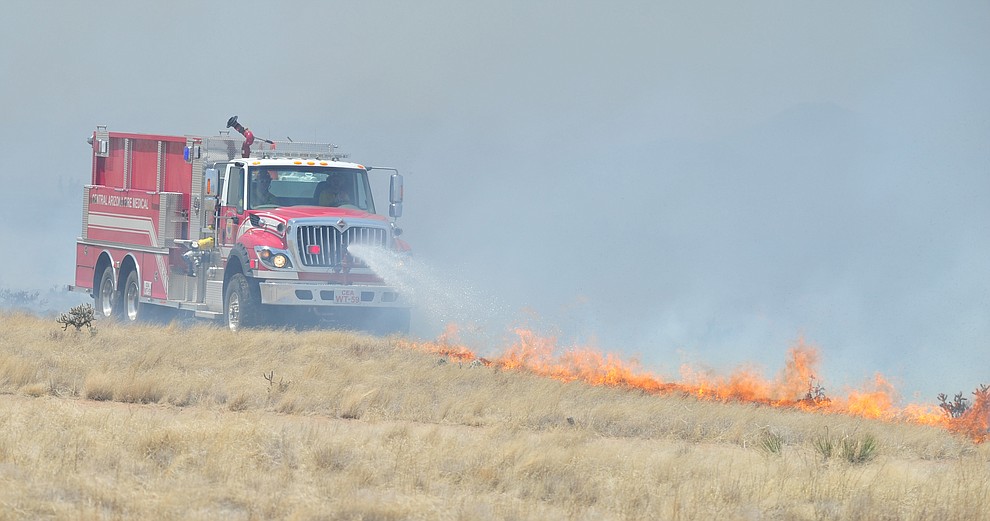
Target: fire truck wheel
{"points": [[107, 301], [241, 309], [132, 293]]}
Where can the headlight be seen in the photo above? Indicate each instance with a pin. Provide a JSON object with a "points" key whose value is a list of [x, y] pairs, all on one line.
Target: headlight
{"points": [[273, 258]]}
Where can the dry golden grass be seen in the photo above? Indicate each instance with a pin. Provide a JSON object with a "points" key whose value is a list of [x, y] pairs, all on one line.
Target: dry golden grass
{"points": [[174, 422]]}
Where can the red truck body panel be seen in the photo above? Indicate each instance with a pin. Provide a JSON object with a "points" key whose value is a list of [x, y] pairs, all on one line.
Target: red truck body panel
{"points": [[123, 208]]}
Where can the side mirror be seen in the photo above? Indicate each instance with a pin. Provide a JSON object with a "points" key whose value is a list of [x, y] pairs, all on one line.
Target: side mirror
{"points": [[395, 210], [395, 190]]}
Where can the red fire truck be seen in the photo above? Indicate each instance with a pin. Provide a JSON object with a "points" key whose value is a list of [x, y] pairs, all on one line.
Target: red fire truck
{"points": [[236, 228]]}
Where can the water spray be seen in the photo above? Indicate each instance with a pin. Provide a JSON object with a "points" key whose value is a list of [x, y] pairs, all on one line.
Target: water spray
{"points": [[440, 298]]}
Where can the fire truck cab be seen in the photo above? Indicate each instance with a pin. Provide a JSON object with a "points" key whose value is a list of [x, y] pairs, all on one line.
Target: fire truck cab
{"points": [[224, 228]]}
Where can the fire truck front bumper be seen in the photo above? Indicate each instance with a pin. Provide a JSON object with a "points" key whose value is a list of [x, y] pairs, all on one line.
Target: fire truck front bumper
{"points": [[284, 293]]}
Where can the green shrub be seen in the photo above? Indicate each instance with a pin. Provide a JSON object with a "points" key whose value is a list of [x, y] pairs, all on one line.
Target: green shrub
{"points": [[860, 450], [78, 316], [771, 442], [824, 444]]}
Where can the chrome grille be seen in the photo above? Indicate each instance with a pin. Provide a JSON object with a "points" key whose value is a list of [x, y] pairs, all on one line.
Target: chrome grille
{"points": [[332, 243]]}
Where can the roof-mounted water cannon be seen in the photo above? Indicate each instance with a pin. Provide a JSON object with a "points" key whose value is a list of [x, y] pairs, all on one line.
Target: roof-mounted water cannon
{"points": [[248, 136]]}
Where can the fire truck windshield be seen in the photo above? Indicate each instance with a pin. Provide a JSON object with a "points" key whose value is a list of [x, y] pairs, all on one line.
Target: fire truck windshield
{"points": [[277, 186]]}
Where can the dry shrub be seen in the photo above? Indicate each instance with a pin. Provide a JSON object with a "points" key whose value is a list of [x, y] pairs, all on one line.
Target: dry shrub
{"points": [[370, 509], [354, 405], [241, 402], [278, 450], [36, 390], [328, 457], [186, 397], [99, 387], [139, 390], [290, 405], [16, 372], [160, 447]]}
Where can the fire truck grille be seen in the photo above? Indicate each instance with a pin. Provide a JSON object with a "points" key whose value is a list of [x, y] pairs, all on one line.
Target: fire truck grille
{"points": [[326, 246]]}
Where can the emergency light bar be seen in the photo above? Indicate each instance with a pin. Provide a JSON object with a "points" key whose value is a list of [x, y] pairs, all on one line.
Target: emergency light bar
{"points": [[224, 148]]}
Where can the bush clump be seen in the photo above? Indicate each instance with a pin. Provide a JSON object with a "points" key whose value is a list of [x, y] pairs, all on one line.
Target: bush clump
{"points": [[78, 316]]}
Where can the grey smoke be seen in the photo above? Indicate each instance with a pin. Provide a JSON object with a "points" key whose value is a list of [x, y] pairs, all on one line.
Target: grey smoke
{"points": [[676, 182]]}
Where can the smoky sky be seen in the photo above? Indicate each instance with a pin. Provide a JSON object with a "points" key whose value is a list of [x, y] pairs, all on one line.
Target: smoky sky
{"points": [[701, 181]]}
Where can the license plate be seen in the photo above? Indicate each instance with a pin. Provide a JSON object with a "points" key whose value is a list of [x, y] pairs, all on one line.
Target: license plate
{"points": [[347, 296]]}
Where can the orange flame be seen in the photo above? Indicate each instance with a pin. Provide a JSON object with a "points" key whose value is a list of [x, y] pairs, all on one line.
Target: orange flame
{"points": [[976, 420], [876, 402], [795, 386]]}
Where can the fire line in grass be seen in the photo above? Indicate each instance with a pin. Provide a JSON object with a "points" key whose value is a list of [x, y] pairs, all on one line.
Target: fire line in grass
{"points": [[794, 387]]}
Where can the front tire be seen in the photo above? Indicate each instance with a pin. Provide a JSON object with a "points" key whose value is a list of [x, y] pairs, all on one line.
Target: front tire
{"points": [[241, 305], [106, 295]]}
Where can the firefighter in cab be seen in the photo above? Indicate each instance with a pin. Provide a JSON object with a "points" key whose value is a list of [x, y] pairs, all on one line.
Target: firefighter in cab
{"points": [[262, 194], [333, 192]]}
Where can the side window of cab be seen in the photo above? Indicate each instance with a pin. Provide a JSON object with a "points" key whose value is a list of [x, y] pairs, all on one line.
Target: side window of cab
{"points": [[233, 186]]}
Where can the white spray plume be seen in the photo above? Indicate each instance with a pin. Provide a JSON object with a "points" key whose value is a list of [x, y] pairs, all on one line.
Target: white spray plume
{"points": [[438, 299]]}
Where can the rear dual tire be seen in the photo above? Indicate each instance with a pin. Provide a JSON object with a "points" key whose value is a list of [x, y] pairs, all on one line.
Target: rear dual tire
{"points": [[107, 299], [132, 294], [124, 305]]}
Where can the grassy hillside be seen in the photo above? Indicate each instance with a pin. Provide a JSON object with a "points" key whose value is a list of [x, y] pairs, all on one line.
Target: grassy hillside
{"points": [[199, 423]]}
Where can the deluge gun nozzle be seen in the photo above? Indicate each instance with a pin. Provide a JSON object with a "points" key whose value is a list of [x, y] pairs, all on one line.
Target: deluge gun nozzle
{"points": [[248, 136]]}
